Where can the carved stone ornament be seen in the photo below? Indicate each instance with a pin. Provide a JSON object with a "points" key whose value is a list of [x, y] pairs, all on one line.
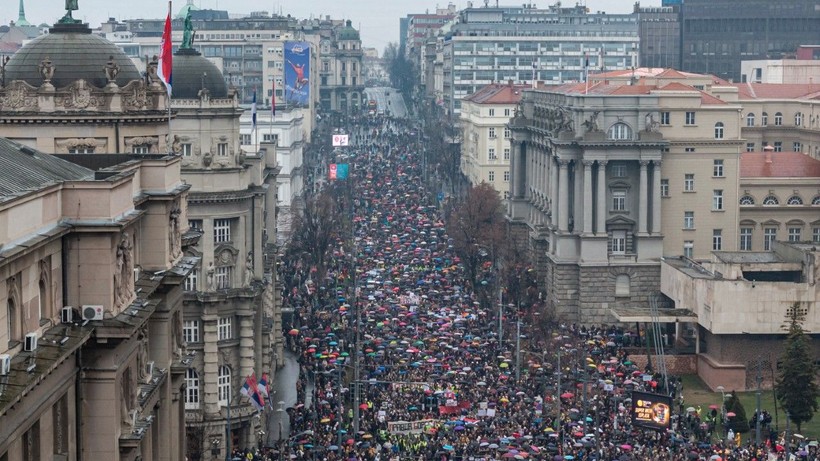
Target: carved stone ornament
{"points": [[18, 95], [73, 143], [151, 71], [151, 141], [80, 96], [175, 232], [47, 70], [111, 69], [136, 97]]}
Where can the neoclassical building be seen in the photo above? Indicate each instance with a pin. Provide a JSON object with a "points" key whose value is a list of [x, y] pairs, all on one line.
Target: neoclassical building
{"points": [[230, 320], [92, 259]]}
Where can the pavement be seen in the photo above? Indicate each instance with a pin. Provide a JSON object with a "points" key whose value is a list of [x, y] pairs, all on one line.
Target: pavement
{"points": [[387, 99], [284, 396]]}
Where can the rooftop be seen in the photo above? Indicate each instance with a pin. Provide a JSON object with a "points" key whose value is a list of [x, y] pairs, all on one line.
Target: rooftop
{"points": [[498, 93], [23, 169], [778, 165]]}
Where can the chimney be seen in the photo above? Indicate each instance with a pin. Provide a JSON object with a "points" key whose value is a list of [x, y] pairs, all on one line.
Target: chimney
{"points": [[768, 151]]}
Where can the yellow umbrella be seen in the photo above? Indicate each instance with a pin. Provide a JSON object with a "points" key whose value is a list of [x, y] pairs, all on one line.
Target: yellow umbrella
{"points": [[504, 365]]}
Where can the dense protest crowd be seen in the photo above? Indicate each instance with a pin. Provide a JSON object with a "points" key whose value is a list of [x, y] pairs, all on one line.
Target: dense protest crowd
{"points": [[434, 381]]}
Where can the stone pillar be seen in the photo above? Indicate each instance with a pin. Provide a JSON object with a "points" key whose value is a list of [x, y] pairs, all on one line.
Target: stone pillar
{"points": [[643, 199], [210, 357], [600, 228], [587, 197], [246, 345], [516, 170], [577, 214], [656, 197], [563, 195]]}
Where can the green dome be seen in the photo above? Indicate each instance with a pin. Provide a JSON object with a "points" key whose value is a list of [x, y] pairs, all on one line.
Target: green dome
{"points": [[183, 12], [348, 32], [193, 72]]}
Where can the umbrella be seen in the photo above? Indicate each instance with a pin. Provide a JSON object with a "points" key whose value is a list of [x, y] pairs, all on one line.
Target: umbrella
{"points": [[731, 414], [293, 332], [690, 409]]}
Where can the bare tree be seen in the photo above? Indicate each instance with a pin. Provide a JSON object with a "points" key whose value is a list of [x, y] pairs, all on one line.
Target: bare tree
{"points": [[314, 230]]}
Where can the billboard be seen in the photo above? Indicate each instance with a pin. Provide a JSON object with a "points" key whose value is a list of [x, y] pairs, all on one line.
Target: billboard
{"points": [[341, 140], [297, 74], [338, 171], [651, 411]]}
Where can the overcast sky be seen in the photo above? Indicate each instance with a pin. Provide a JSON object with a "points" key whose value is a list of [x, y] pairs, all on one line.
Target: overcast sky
{"points": [[378, 20]]}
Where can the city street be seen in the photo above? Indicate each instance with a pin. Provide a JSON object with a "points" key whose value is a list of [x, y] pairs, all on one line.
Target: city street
{"points": [[388, 101]]}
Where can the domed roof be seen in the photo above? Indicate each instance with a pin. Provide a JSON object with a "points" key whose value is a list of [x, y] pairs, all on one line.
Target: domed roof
{"points": [[75, 54], [348, 32], [192, 72], [183, 12]]}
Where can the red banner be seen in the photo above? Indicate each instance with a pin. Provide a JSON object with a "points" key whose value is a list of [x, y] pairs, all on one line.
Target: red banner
{"points": [[444, 410]]}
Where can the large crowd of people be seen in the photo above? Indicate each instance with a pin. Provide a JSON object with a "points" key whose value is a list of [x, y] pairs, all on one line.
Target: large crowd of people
{"points": [[434, 380]]}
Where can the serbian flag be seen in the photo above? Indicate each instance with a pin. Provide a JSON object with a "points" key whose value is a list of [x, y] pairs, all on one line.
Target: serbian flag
{"points": [[263, 385], [166, 54], [273, 98], [253, 111]]}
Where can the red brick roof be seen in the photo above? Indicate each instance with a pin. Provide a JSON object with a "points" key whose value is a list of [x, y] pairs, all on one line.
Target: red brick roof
{"points": [[783, 165], [778, 91], [497, 93]]}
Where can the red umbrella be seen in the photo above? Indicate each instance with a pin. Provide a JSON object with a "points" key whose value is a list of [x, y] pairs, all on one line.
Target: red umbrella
{"points": [[363, 406], [731, 414], [567, 395], [293, 332], [713, 407]]}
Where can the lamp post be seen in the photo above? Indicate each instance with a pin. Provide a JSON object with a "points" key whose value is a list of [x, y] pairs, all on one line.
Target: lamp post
{"points": [[722, 407]]}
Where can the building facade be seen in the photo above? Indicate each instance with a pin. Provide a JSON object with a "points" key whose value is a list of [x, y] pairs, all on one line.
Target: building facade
{"points": [[659, 32]]}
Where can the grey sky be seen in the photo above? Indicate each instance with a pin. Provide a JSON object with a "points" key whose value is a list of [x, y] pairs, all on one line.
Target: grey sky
{"points": [[378, 19]]}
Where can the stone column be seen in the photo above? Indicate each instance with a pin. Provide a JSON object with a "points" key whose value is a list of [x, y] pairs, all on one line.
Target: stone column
{"points": [[577, 214], [587, 196], [246, 345], [210, 357], [656, 197], [563, 195], [553, 190], [600, 228], [643, 198]]}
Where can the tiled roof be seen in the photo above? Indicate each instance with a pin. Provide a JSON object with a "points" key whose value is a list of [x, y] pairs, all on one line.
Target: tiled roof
{"points": [[778, 91], [783, 165], [497, 93], [24, 169], [677, 86]]}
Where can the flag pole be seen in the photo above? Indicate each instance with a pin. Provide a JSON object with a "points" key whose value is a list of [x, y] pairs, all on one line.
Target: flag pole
{"points": [[170, 132]]}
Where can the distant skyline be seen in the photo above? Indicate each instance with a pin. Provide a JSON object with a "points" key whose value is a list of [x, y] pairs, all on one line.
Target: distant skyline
{"points": [[378, 20]]}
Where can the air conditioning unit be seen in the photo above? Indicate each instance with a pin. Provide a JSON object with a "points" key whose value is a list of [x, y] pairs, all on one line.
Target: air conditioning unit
{"points": [[30, 344], [67, 315], [5, 364], [92, 312]]}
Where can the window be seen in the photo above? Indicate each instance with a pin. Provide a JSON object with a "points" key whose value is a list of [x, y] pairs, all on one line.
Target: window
{"points": [[794, 234], [491, 133], [12, 321], [224, 277], [31, 443], [506, 176], [688, 219], [717, 168], [794, 200], [192, 281], [186, 150], [764, 119], [506, 112], [222, 149], [622, 283], [689, 182], [815, 234], [816, 200], [664, 118], [771, 200], [81, 150], [664, 188], [620, 132], [618, 170], [223, 329], [769, 236], [750, 147], [491, 176], [717, 239], [491, 154], [690, 118], [747, 200], [745, 239], [618, 242], [717, 200], [797, 146], [195, 224], [619, 200], [719, 130], [507, 133], [190, 331], [688, 248], [798, 119], [245, 139], [492, 112], [191, 389], [750, 119], [506, 153], [222, 230], [778, 119], [778, 146], [224, 385], [689, 149], [141, 149]]}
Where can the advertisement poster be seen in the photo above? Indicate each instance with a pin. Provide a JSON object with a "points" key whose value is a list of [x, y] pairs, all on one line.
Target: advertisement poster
{"points": [[297, 74], [651, 411], [341, 140]]}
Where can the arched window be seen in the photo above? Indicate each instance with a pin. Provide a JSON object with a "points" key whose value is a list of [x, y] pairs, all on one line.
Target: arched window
{"points": [[620, 132], [794, 200], [13, 320], [771, 200], [778, 119], [798, 119], [191, 389], [719, 130], [816, 200], [764, 119], [622, 283], [750, 119], [747, 200], [224, 385]]}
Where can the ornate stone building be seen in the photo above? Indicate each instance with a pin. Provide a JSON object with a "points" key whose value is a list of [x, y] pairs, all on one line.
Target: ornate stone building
{"points": [[105, 245], [230, 319]]}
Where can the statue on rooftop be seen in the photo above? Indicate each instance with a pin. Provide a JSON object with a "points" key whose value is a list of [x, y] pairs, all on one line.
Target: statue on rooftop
{"points": [[70, 5], [188, 33]]}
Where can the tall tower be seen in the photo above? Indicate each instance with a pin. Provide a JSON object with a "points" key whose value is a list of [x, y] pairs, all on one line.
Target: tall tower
{"points": [[21, 19]]}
